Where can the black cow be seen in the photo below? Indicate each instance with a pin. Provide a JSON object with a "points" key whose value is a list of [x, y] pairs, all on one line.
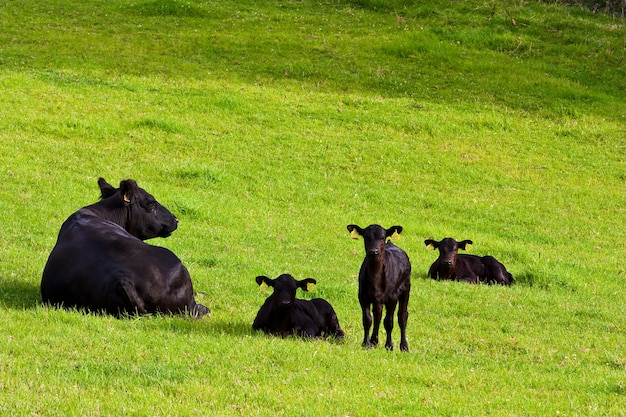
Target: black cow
{"points": [[283, 314], [450, 265], [100, 262], [384, 280]]}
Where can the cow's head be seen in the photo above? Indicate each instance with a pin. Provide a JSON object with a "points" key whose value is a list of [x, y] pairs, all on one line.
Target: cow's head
{"points": [[285, 287], [448, 250], [374, 237], [145, 217]]}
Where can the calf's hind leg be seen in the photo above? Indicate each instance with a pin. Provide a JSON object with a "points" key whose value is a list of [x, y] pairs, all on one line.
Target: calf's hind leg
{"points": [[403, 317], [133, 304], [367, 324]]}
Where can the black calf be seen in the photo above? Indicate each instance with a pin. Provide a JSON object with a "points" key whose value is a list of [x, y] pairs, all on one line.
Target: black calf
{"points": [[384, 280], [283, 314], [450, 265]]}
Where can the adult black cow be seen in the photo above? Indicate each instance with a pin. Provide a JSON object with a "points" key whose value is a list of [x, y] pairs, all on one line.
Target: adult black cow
{"points": [[100, 262], [283, 314], [451, 265], [384, 280]]}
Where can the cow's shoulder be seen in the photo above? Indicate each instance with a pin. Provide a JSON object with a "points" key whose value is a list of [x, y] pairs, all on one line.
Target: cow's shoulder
{"points": [[306, 311], [397, 257], [85, 220], [394, 251]]}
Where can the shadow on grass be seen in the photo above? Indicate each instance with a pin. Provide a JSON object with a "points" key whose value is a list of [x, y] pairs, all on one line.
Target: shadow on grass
{"points": [[530, 279], [209, 325], [18, 294], [232, 328], [544, 282]]}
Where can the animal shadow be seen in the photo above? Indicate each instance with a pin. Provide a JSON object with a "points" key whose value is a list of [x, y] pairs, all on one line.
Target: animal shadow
{"points": [[19, 294]]}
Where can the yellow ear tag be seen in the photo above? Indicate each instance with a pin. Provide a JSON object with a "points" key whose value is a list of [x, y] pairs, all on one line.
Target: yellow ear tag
{"points": [[126, 198], [263, 287], [354, 234], [395, 236], [468, 246], [430, 246], [310, 286]]}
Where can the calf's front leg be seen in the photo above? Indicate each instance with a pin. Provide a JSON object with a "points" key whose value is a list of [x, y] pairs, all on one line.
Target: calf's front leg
{"points": [[378, 315], [367, 323], [390, 309]]}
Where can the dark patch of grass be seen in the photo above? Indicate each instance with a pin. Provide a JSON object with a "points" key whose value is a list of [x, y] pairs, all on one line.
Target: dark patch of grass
{"points": [[17, 293], [164, 125], [168, 8], [182, 210]]}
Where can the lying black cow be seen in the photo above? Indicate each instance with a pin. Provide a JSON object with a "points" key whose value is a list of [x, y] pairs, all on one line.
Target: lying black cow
{"points": [[450, 265], [283, 314], [100, 262], [384, 280]]}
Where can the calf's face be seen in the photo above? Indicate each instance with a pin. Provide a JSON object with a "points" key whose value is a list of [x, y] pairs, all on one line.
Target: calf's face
{"points": [[374, 238], [146, 218], [448, 250], [285, 287]]}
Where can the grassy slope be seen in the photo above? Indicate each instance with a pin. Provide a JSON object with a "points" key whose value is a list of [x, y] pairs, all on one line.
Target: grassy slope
{"points": [[267, 129]]}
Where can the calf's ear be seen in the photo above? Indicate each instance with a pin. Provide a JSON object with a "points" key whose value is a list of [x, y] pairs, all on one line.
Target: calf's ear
{"points": [[355, 231], [466, 244], [264, 282], [394, 232], [431, 244], [307, 284]]}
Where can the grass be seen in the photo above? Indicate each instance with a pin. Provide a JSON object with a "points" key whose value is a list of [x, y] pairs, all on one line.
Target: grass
{"points": [[267, 127]]}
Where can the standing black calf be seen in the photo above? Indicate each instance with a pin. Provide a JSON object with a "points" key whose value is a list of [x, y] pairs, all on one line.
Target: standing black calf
{"points": [[100, 262], [384, 279], [283, 314], [450, 265]]}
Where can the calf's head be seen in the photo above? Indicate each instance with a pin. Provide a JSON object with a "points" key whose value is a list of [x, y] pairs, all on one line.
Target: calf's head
{"points": [[374, 237], [285, 287], [145, 217], [448, 250]]}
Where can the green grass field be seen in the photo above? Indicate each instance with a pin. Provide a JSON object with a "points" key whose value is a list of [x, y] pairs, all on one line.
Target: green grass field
{"points": [[267, 127]]}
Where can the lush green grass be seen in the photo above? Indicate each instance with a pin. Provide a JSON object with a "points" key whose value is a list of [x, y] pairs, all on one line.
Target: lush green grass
{"points": [[267, 127]]}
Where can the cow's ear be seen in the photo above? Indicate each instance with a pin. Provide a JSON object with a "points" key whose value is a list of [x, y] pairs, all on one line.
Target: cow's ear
{"points": [[466, 244], [307, 284], [394, 232], [355, 231], [128, 189], [106, 189], [264, 282], [431, 244]]}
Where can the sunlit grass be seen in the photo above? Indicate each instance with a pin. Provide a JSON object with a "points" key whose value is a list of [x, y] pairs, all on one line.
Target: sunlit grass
{"points": [[267, 128]]}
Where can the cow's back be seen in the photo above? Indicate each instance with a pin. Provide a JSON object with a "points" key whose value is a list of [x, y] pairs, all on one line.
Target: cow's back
{"points": [[329, 321], [469, 265], [397, 271], [495, 271]]}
